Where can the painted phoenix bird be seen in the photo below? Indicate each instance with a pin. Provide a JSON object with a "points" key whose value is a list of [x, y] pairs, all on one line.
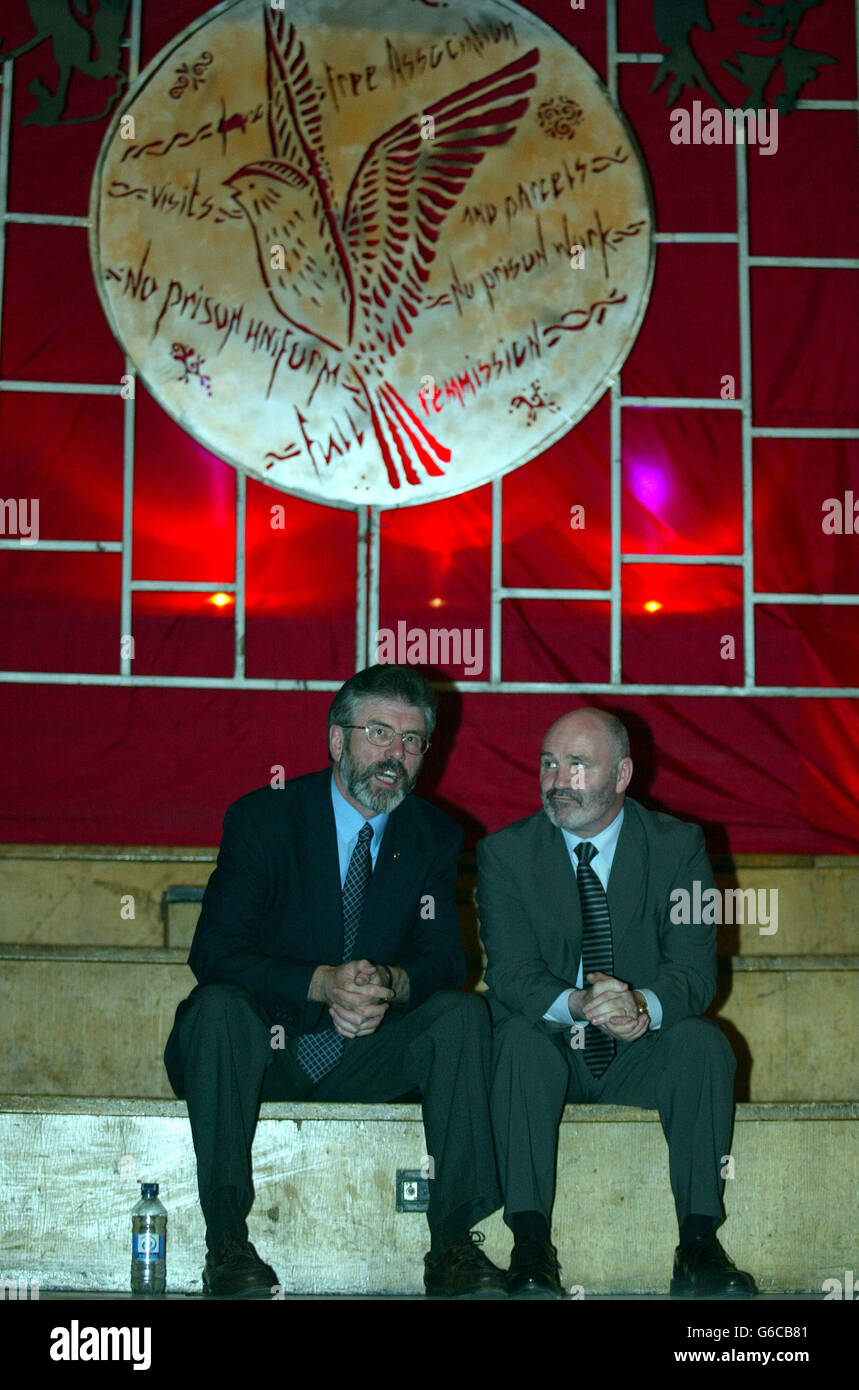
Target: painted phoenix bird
{"points": [[357, 281]]}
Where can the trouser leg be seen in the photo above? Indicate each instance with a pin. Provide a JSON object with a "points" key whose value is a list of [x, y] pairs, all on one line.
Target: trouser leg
{"points": [[686, 1072], [224, 1044], [531, 1081], [443, 1049]]}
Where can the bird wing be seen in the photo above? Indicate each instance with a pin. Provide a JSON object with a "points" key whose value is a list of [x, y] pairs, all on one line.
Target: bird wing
{"points": [[405, 187], [295, 127], [294, 122]]}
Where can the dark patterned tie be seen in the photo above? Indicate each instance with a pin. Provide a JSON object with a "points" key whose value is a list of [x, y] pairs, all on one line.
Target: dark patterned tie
{"points": [[318, 1052], [596, 949]]}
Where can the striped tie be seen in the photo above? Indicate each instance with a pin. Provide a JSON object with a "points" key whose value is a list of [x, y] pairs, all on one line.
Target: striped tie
{"points": [[318, 1052], [596, 949]]}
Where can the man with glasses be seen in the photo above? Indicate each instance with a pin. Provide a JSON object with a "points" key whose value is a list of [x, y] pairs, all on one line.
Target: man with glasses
{"points": [[328, 959]]}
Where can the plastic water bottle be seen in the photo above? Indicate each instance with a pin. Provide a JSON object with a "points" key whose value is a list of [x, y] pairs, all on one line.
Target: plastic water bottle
{"points": [[148, 1242]]}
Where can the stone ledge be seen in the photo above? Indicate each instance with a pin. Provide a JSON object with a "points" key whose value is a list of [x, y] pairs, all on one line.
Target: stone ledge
{"points": [[207, 854], [178, 955], [301, 1111]]}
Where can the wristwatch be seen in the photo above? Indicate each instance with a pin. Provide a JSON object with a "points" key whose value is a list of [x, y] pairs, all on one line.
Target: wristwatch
{"points": [[641, 1001], [388, 972]]}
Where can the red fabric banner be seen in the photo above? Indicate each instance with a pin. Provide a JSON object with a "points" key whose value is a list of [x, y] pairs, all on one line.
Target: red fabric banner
{"points": [[158, 766]]}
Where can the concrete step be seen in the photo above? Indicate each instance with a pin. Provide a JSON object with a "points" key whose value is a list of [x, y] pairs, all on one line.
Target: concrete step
{"points": [[68, 894], [94, 1021], [98, 895], [88, 1020], [325, 1211]]}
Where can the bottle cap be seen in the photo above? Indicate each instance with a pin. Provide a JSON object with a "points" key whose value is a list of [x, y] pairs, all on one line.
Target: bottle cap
{"points": [[149, 1189]]}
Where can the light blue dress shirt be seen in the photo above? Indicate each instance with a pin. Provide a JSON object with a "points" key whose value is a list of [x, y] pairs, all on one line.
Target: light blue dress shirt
{"points": [[349, 823], [606, 843]]}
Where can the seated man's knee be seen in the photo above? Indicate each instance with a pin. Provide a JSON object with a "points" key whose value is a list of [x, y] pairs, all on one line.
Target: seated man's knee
{"points": [[217, 1002], [517, 1036], [703, 1038], [469, 1011]]}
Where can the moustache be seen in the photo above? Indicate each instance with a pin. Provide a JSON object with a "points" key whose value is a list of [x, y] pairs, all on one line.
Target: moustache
{"points": [[389, 765]]}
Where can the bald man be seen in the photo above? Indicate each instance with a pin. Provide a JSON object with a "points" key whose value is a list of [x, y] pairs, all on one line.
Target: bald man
{"points": [[597, 997]]}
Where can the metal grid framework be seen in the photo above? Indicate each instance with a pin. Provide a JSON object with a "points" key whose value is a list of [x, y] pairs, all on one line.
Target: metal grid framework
{"points": [[368, 559]]}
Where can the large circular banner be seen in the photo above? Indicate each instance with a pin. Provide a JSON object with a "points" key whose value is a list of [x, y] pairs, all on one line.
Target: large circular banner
{"points": [[372, 257]]}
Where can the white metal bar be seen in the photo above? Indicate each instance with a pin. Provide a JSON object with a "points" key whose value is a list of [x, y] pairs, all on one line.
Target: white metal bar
{"points": [[697, 238], [134, 39], [5, 128], [373, 581], [179, 586], [773, 692], [167, 682], [827, 105], [611, 46], [578, 595], [465, 686], [616, 612], [745, 401], [363, 528], [615, 435], [239, 586], [45, 219], [555, 593], [682, 402], [103, 547], [640, 57], [72, 388], [126, 616], [496, 592], [807, 262], [682, 559], [834, 599], [800, 432]]}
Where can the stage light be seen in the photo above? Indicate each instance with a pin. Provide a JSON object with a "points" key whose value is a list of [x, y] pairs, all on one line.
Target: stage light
{"points": [[221, 600], [652, 606], [436, 603], [649, 485]]}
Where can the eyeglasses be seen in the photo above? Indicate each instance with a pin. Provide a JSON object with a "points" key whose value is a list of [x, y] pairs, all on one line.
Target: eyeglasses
{"points": [[382, 736]]}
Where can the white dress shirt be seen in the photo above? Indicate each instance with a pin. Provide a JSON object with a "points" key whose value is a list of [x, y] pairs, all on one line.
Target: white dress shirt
{"points": [[606, 843]]}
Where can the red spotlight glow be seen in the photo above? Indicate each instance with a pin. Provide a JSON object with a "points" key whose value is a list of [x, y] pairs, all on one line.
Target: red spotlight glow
{"points": [[221, 600], [652, 606]]}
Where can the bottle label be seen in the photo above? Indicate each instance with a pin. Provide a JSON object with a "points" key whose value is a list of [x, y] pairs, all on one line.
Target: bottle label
{"points": [[147, 1246]]}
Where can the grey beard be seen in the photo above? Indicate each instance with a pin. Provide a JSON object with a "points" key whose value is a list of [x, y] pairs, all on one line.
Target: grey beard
{"points": [[358, 785]]}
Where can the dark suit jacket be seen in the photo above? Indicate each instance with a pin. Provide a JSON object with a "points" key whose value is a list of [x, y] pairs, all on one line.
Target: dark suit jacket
{"points": [[272, 910], [531, 920]]}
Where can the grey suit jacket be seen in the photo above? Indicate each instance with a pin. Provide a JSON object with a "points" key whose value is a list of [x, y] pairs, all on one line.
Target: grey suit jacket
{"points": [[531, 922]]}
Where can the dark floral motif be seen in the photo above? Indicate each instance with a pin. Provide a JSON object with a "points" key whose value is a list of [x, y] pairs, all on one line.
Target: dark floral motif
{"points": [[537, 402], [559, 117], [193, 76]]}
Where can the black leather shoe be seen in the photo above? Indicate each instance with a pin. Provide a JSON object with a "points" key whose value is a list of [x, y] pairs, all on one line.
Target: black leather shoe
{"points": [[534, 1270], [463, 1271], [235, 1270], [703, 1270]]}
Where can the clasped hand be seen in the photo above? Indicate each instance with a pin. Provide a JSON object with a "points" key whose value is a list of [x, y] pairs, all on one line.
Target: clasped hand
{"points": [[609, 1005], [357, 997]]}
